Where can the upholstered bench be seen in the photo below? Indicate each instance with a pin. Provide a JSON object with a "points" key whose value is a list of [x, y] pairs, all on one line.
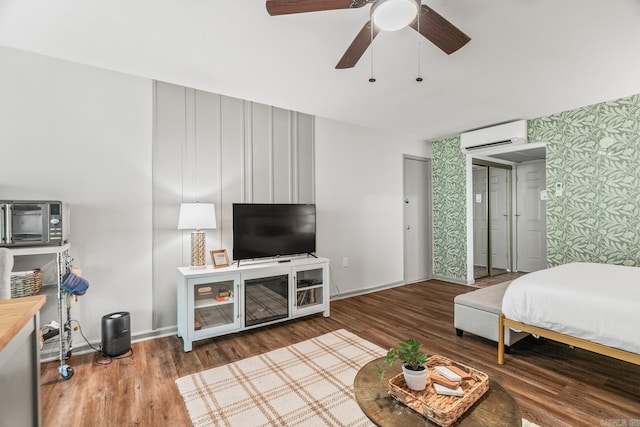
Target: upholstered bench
{"points": [[477, 312]]}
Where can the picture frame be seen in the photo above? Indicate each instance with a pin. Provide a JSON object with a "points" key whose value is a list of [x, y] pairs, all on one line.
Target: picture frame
{"points": [[219, 258]]}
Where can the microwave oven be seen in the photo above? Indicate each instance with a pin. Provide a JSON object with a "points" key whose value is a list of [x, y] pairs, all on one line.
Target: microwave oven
{"points": [[33, 223]]}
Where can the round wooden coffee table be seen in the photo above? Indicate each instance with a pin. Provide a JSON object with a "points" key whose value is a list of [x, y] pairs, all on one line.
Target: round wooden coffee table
{"points": [[496, 408]]}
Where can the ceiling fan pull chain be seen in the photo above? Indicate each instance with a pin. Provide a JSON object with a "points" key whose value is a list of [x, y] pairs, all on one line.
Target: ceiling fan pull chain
{"points": [[419, 78], [371, 79]]}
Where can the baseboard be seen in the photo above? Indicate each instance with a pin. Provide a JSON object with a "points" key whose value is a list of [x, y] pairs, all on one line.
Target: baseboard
{"points": [[394, 285], [366, 291], [452, 280], [84, 348]]}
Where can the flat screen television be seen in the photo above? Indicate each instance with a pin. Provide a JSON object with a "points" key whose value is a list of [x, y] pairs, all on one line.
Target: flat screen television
{"points": [[263, 230]]}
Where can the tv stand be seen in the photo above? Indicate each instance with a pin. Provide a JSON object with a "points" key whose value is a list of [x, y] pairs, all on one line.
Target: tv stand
{"points": [[214, 302]]}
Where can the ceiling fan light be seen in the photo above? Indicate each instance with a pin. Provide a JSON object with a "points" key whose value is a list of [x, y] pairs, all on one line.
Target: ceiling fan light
{"points": [[392, 15]]}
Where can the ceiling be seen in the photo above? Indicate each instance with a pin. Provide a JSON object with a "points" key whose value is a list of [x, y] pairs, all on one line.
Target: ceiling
{"points": [[521, 156], [526, 58], [513, 154]]}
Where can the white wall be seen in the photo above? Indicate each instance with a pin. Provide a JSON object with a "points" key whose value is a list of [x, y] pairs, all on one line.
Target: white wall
{"points": [[359, 193], [83, 135], [214, 148]]}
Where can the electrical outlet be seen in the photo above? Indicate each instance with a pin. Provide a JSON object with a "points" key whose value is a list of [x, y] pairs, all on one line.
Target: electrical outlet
{"points": [[345, 262]]}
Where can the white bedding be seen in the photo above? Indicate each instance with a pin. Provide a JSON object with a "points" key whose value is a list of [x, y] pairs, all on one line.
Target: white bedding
{"points": [[595, 302]]}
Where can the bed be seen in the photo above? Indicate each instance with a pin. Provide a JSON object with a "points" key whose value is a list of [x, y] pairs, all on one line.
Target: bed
{"points": [[587, 305]]}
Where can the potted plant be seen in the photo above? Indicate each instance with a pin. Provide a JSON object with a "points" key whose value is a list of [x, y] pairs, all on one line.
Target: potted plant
{"points": [[413, 363]]}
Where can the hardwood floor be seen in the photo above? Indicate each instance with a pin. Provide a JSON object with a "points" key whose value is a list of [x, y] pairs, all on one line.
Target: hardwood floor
{"points": [[554, 384], [483, 282]]}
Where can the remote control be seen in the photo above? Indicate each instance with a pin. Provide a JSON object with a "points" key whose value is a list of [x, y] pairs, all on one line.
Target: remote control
{"points": [[448, 373]]}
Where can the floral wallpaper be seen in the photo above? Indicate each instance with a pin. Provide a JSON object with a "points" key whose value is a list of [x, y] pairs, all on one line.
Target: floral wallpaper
{"points": [[449, 210], [594, 154]]}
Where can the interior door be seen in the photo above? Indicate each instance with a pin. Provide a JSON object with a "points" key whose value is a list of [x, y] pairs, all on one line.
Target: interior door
{"points": [[499, 219], [531, 220], [492, 232], [480, 222], [418, 259]]}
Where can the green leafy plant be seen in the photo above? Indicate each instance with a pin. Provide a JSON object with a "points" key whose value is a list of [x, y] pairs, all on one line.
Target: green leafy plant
{"points": [[409, 354]]}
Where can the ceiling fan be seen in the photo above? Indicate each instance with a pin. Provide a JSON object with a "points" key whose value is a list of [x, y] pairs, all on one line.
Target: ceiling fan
{"points": [[413, 13]]}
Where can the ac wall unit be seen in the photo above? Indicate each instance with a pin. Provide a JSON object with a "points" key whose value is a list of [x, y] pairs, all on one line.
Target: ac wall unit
{"points": [[513, 133]]}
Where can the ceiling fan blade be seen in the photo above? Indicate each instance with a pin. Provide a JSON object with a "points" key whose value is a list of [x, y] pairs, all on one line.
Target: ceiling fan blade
{"points": [[359, 44], [439, 31], [285, 7]]}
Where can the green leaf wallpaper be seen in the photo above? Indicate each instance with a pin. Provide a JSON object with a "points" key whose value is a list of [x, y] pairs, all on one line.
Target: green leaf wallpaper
{"points": [[449, 210], [594, 152]]}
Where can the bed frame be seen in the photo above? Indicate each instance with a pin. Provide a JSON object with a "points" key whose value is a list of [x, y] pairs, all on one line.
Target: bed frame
{"points": [[566, 339]]}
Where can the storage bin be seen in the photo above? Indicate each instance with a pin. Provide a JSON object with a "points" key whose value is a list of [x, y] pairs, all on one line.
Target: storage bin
{"points": [[26, 283]]}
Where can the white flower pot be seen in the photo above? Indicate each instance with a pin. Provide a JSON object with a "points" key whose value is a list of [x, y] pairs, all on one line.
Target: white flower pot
{"points": [[416, 380]]}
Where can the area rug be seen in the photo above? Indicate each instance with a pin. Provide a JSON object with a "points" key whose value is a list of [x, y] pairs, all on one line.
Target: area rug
{"points": [[305, 384]]}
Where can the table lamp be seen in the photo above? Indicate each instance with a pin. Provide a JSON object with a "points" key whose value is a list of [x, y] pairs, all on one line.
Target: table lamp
{"points": [[197, 216]]}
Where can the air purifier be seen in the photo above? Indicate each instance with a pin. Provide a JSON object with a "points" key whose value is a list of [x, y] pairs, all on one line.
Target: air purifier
{"points": [[116, 334]]}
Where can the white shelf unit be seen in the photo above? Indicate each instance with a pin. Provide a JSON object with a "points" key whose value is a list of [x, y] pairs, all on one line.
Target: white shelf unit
{"points": [[218, 301], [60, 348]]}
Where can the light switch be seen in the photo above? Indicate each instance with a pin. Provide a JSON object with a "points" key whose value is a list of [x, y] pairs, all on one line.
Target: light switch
{"points": [[478, 197], [543, 194], [558, 189]]}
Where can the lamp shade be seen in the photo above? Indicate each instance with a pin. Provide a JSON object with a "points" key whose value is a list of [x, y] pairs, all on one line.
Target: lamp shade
{"points": [[197, 216]]}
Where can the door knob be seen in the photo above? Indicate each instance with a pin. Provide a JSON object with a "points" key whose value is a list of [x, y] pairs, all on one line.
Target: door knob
{"points": [[408, 227]]}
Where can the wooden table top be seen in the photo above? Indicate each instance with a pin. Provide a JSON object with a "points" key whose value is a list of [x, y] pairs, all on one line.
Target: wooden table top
{"points": [[15, 313], [496, 408]]}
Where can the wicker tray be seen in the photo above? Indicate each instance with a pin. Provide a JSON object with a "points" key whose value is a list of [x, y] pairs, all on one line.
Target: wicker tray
{"points": [[26, 283], [440, 409]]}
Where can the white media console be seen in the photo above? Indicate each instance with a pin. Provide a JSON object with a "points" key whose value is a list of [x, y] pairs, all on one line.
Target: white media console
{"points": [[218, 301]]}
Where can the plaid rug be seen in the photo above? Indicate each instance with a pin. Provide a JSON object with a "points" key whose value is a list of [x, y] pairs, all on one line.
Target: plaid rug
{"points": [[305, 384]]}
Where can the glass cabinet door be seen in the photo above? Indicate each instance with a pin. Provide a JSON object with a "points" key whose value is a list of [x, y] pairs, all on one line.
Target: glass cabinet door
{"points": [[309, 288], [215, 305], [266, 299]]}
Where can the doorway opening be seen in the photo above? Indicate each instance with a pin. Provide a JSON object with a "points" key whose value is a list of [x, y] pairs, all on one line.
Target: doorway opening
{"points": [[522, 169], [492, 227]]}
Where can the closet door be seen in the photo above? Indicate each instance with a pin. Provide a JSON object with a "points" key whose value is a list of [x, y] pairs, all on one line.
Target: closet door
{"points": [[500, 188], [480, 222], [492, 231]]}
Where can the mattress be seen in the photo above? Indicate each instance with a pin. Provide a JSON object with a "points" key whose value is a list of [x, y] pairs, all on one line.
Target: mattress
{"points": [[596, 302]]}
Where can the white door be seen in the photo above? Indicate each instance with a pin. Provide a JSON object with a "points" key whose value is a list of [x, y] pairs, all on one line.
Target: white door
{"points": [[499, 218], [531, 217], [480, 231], [418, 262]]}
